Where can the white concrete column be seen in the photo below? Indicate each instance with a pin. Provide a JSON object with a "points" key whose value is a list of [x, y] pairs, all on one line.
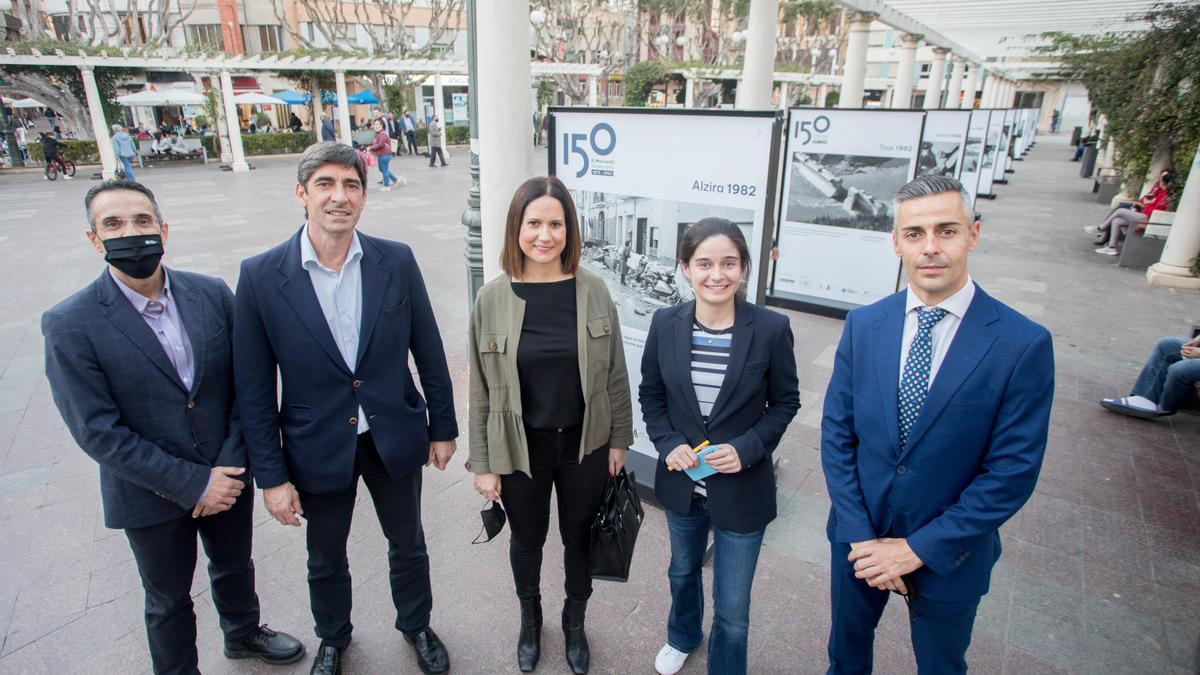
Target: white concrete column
{"points": [[345, 134], [855, 72], [902, 98], [754, 91], [989, 91], [1183, 243], [689, 91], [108, 158], [937, 75], [954, 89], [593, 90], [505, 135], [1003, 94], [968, 99], [822, 95], [783, 95], [439, 104], [232, 128]]}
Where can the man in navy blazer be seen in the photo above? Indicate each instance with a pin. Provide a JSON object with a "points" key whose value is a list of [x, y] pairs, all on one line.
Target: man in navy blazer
{"points": [[334, 314], [140, 367], [925, 461]]}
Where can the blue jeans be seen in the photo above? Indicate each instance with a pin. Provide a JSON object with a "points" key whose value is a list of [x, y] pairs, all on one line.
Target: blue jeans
{"points": [[735, 556], [1167, 378], [127, 163], [388, 176]]}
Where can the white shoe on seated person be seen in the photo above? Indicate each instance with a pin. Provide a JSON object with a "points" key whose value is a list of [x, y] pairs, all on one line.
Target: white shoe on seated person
{"points": [[1107, 250], [669, 660], [1091, 229]]}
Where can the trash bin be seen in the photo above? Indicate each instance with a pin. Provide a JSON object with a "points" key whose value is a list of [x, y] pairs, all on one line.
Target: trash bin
{"points": [[1087, 164], [1076, 134]]}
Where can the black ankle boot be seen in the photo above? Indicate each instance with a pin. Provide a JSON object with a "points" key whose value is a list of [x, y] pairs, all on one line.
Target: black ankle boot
{"points": [[577, 646], [529, 644]]}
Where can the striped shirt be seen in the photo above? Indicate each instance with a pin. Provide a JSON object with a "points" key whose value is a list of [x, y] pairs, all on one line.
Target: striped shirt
{"points": [[710, 359]]}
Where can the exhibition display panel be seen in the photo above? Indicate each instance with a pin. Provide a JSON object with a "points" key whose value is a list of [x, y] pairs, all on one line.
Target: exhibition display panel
{"points": [[841, 171], [639, 177]]}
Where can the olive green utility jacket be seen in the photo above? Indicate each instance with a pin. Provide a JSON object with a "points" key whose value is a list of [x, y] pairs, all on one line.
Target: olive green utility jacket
{"points": [[497, 436]]}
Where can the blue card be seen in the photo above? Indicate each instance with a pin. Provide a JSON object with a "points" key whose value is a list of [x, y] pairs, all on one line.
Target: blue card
{"points": [[703, 470]]}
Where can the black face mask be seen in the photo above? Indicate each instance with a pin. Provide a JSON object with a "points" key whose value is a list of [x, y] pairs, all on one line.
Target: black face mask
{"points": [[136, 255], [493, 521]]}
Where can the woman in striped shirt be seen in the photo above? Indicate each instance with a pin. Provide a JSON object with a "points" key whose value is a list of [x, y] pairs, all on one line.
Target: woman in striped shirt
{"points": [[718, 375]]}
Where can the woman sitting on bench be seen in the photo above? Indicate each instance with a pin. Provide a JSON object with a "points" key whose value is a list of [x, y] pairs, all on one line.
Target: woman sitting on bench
{"points": [[1109, 232]]}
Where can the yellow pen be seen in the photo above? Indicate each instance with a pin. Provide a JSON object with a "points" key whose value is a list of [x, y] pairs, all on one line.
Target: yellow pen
{"points": [[696, 449]]}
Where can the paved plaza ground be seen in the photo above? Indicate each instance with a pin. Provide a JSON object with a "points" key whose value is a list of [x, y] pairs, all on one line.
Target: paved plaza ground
{"points": [[1100, 572]]}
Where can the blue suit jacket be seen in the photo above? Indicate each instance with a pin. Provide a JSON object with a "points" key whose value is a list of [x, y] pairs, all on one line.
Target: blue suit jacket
{"points": [[310, 438], [759, 397], [156, 442], [972, 457]]}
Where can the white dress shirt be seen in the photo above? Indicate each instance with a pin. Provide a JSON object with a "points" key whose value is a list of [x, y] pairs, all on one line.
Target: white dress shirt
{"points": [[340, 294], [942, 332]]}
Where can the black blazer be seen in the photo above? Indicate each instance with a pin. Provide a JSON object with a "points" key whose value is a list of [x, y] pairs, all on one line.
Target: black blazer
{"points": [[156, 442], [309, 434], [758, 399]]}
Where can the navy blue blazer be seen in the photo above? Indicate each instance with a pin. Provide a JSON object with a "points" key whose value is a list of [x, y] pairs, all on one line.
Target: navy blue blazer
{"points": [[156, 442], [972, 457], [310, 437], [758, 399]]}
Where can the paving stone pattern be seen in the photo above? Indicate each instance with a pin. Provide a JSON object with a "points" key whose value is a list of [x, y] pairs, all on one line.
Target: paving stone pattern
{"points": [[1099, 572]]}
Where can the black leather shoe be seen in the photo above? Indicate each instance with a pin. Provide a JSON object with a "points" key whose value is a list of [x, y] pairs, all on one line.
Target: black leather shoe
{"points": [[578, 654], [268, 646], [328, 661], [529, 644], [432, 657]]}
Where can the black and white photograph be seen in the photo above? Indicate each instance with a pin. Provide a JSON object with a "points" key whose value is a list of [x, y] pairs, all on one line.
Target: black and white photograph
{"points": [[633, 242], [971, 157], [938, 159], [852, 191]]}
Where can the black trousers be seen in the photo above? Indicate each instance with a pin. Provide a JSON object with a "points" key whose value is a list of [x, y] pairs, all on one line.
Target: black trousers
{"points": [[166, 560], [411, 137], [436, 151], [398, 507], [553, 461]]}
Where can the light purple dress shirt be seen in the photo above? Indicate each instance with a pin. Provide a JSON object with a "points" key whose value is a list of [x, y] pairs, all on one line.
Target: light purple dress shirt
{"points": [[162, 316]]}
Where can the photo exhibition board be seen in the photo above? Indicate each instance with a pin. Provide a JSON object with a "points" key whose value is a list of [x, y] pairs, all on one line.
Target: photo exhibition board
{"points": [[1003, 150], [991, 152], [943, 143], [973, 154], [842, 169], [639, 178]]}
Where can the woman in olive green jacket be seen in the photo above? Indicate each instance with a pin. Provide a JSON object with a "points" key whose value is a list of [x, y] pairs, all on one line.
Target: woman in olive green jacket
{"points": [[550, 405]]}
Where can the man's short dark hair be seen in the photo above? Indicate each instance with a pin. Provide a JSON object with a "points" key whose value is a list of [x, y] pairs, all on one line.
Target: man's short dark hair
{"points": [[928, 186], [117, 184], [329, 152]]}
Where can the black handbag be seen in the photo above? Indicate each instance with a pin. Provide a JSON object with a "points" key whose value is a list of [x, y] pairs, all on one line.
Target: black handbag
{"points": [[615, 529]]}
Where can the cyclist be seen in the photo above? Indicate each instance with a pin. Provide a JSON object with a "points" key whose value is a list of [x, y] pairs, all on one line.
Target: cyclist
{"points": [[50, 150]]}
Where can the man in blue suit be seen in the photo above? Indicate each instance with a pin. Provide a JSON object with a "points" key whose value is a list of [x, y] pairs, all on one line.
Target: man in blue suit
{"points": [[934, 428], [140, 367], [334, 314]]}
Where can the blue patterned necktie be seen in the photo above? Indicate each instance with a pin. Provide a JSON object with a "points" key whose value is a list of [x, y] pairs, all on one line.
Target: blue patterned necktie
{"points": [[914, 385]]}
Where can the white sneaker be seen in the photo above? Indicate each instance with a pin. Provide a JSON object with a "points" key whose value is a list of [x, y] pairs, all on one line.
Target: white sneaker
{"points": [[384, 189], [669, 660], [1091, 229], [66, 177], [1106, 250]]}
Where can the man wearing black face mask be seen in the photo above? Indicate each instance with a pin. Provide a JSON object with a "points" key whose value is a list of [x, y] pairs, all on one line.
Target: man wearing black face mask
{"points": [[140, 368]]}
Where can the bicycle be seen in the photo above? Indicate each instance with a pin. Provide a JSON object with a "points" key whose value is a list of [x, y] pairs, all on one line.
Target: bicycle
{"points": [[65, 166]]}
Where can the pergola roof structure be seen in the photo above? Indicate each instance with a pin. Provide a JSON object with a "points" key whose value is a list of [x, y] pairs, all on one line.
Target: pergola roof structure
{"points": [[1005, 29], [350, 64]]}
